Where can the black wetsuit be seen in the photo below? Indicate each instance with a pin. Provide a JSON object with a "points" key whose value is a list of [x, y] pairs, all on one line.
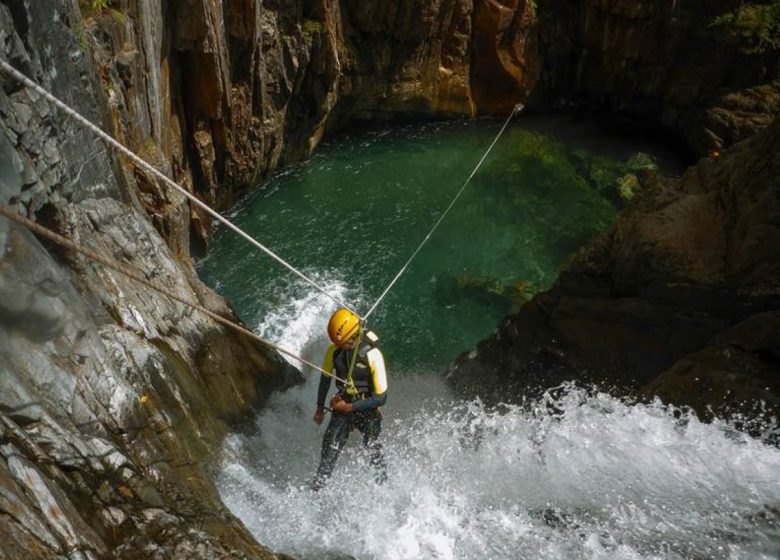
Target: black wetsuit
{"points": [[372, 393]]}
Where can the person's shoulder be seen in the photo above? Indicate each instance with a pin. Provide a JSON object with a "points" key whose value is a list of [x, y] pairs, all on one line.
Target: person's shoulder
{"points": [[330, 352]]}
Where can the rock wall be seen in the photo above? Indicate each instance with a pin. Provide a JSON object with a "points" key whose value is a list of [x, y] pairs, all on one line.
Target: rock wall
{"points": [[680, 299], [113, 398], [706, 72]]}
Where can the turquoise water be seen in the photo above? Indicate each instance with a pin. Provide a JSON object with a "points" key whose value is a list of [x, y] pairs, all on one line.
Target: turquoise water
{"points": [[354, 213]]}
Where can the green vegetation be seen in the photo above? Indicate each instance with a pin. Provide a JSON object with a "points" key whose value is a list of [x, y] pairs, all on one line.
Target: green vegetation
{"points": [[617, 181], [81, 37], [94, 6], [532, 7], [533, 180], [755, 26], [310, 28]]}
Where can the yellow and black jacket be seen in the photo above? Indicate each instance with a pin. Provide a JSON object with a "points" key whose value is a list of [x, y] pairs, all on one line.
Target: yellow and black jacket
{"points": [[368, 375]]}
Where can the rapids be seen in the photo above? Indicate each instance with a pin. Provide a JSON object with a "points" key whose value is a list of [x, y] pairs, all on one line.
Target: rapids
{"points": [[577, 474]]}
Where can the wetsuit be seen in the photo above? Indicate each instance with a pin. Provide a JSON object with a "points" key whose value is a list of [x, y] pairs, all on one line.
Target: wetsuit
{"points": [[370, 380]]}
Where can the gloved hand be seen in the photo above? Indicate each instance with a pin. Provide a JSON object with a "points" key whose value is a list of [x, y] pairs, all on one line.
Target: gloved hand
{"points": [[340, 405], [319, 415]]}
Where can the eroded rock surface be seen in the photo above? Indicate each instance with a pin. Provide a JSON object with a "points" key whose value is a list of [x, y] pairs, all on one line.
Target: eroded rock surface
{"points": [[708, 72], [220, 93], [113, 398]]}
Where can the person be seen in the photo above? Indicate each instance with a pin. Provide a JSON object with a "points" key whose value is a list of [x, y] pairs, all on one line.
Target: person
{"points": [[356, 404]]}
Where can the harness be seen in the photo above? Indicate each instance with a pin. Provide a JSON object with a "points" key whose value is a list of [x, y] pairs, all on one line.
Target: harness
{"points": [[353, 365]]}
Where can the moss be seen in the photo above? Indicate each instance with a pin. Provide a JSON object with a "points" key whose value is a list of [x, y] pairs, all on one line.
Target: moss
{"points": [[533, 181], [754, 26], [93, 6], [310, 29], [532, 8], [81, 37], [117, 16]]}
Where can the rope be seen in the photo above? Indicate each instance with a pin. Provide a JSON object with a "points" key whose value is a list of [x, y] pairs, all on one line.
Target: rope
{"points": [[519, 107], [150, 169], [132, 274], [349, 387]]}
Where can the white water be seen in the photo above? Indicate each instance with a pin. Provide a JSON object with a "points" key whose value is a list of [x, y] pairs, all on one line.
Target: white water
{"points": [[590, 477]]}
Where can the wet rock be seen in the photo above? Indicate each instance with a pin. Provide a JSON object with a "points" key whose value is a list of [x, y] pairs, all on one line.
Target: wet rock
{"points": [[60, 514], [486, 290], [115, 398], [684, 286], [627, 186], [735, 373], [105, 407], [672, 63]]}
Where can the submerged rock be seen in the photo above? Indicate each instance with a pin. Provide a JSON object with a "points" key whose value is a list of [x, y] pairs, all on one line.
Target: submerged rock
{"points": [[112, 398], [487, 290]]}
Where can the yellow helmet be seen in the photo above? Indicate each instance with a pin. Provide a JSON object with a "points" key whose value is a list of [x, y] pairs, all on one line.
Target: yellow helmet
{"points": [[343, 325]]}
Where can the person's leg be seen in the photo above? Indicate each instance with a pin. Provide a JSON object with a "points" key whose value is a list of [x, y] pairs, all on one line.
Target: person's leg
{"points": [[371, 427], [332, 443]]}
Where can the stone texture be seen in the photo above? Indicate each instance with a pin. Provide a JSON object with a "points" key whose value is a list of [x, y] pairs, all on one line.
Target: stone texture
{"points": [[505, 46], [113, 398], [661, 65], [737, 372], [220, 93]]}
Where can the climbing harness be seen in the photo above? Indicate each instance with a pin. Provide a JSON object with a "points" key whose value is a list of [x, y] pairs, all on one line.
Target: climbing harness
{"points": [[349, 387], [134, 275], [154, 171], [519, 107]]}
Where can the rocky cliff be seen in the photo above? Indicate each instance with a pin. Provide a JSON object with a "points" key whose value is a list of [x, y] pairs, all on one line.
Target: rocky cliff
{"points": [[681, 299], [705, 72], [221, 92], [113, 398]]}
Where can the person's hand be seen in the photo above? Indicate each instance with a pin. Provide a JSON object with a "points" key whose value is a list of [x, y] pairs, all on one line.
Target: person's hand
{"points": [[340, 405], [319, 415]]}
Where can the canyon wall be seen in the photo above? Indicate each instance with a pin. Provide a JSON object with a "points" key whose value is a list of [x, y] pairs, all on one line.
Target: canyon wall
{"points": [[680, 299], [704, 72], [221, 93], [114, 399]]}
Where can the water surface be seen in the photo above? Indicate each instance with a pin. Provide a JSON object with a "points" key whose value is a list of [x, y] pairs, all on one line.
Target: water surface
{"points": [[352, 215]]}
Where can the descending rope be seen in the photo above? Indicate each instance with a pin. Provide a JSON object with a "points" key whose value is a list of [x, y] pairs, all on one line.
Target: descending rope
{"points": [[519, 107], [134, 275], [150, 169]]}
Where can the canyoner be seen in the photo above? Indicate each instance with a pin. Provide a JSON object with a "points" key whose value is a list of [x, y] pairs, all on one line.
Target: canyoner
{"points": [[355, 356]]}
